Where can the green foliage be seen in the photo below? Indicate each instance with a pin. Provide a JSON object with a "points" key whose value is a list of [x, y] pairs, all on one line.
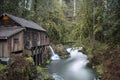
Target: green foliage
{"points": [[3, 72], [19, 8], [112, 65], [43, 74], [111, 22], [20, 69], [2, 67], [52, 17], [107, 64], [30, 59], [96, 24], [23, 68]]}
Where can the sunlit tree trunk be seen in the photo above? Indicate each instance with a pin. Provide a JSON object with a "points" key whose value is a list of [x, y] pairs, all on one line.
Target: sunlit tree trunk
{"points": [[74, 8], [60, 2]]}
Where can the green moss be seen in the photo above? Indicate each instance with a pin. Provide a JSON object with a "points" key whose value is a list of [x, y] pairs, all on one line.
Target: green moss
{"points": [[30, 59], [2, 68], [43, 74]]}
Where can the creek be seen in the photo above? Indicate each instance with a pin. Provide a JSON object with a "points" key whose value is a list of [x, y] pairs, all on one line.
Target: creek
{"points": [[73, 68]]}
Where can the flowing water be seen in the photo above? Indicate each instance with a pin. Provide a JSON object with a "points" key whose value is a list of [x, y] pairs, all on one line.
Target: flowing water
{"points": [[73, 68], [54, 56]]}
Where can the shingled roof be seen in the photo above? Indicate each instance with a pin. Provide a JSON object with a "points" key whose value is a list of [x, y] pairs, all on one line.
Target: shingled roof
{"points": [[25, 23], [6, 33]]}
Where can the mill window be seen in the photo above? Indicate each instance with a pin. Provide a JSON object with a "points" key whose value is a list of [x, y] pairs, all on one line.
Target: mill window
{"points": [[16, 40]]}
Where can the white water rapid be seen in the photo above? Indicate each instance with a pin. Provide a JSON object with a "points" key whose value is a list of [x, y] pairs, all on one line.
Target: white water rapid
{"points": [[73, 68], [54, 56]]}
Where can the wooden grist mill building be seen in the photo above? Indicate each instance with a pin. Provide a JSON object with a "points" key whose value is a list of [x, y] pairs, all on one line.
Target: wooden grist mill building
{"points": [[19, 36]]}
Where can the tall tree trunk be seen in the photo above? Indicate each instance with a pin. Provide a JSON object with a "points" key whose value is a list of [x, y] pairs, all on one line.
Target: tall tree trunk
{"points": [[74, 9], [36, 10], [60, 2]]}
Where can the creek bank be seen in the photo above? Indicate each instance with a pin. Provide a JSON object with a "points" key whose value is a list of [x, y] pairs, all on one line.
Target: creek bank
{"points": [[107, 64]]}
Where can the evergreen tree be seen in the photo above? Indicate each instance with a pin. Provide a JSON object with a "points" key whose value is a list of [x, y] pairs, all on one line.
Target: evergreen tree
{"points": [[21, 8]]}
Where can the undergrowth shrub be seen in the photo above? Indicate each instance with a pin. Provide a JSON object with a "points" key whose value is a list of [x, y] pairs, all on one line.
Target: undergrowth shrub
{"points": [[107, 64], [20, 69]]}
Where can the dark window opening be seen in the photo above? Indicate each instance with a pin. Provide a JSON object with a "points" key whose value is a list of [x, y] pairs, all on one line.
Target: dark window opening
{"points": [[16, 40], [46, 36], [18, 52]]}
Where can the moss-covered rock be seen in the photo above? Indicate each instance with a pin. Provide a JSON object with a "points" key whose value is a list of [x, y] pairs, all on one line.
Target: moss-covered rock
{"points": [[43, 74]]}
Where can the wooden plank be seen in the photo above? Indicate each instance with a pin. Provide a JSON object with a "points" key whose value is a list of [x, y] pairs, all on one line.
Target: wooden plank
{"points": [[16, 42]]}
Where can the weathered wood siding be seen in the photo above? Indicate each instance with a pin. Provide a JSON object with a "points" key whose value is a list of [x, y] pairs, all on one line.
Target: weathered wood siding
{"points": [[3, 48], [44, 39], [33, 38], [15, 43]]}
